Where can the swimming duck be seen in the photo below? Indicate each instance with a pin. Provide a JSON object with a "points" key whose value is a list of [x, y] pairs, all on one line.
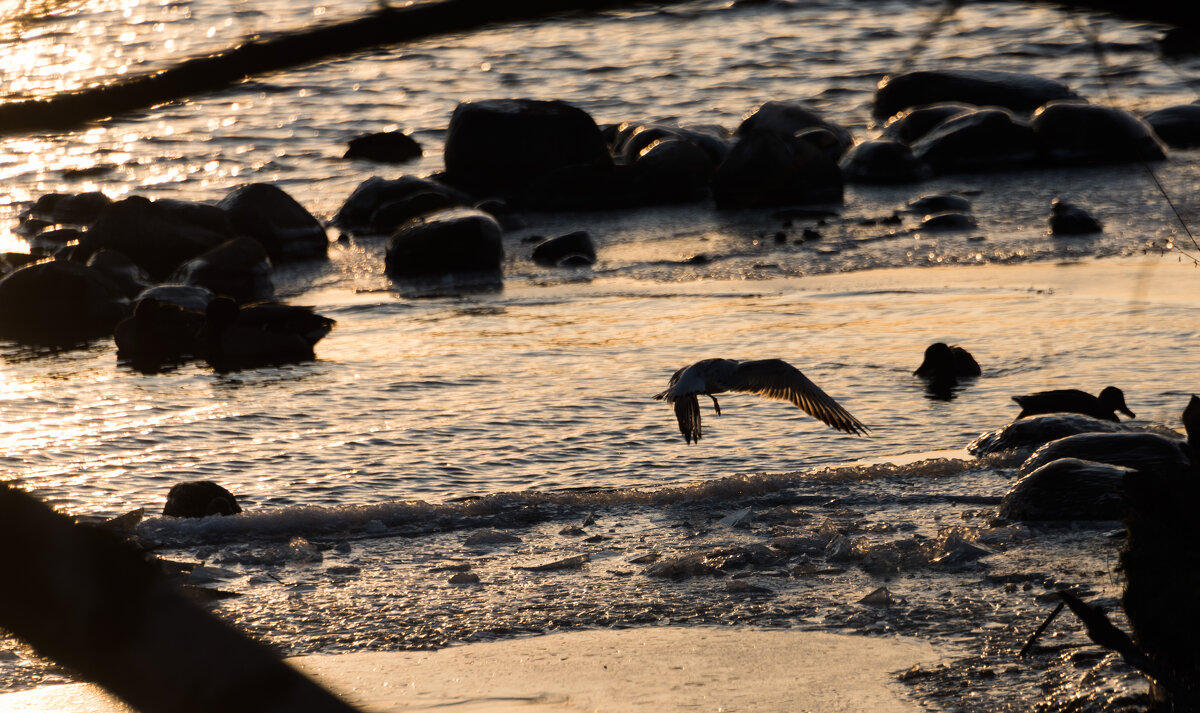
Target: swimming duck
{"points": [[945, 362], [259, 334], [773, 378], [1104, 406]]}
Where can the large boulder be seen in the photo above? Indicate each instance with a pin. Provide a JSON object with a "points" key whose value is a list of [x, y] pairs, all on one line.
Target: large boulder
{"points": [[121, 271], [452, 241], [199, 498], [911, 124], [58, 303], [1075, 132], [1011, 90], [982, 140], [571, 250], [632, 140], [1067, 489], [765, 168], [673, 170], [73, 208], [500, 146], [882, 161], [1177, 126], [272, 217], [584, 187], [157, 236], [379, 205], [239, 269], [789, 118]]}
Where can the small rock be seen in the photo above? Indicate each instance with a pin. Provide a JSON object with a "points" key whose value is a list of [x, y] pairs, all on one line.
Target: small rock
{"points": [[881, 597], [465, 578], [1067, 219], [491, 537], [572, 531], [384, 147]]}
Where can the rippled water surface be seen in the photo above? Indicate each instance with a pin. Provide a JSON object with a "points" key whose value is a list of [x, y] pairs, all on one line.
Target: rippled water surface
{"points": [[543, 389]]}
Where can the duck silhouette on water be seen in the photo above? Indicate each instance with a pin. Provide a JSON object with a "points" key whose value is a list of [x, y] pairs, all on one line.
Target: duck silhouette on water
{"points": [[773, 378], [943, 366], [1104, 406]]}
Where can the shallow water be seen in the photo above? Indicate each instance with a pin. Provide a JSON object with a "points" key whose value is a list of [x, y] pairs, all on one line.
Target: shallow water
{"points": [[529, 408]]}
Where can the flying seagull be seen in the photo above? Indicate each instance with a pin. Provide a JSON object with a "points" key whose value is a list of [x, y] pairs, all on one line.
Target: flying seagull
{"points": [[773, 378]]}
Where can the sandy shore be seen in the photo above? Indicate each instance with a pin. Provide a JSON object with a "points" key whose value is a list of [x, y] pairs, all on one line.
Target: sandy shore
{"points": [[625, 671]]}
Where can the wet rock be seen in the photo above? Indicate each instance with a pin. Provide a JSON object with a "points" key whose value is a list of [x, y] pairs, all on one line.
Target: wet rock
{"points": [[157, 236], [51, 241], [674, 171], [500, 146], [1076, 132], [384, 147], [573, 248], [393, 214], [1177, 126], [949, 220], [633, 140], [1011, 90], [158, 335], [982, 140], [490, 537], [881, 597], [457, 240], [939, 204], [683, 567], [269, 215], [190, 297], [572, 531], [199, 498], [765, 169], [1068, 219], [58, 303], [882, 161], [72, 208], [801, 544], [584, 187], [785, 119], [1140, 451], [410, 194], [910, 125], [576, 562], [956, 550], [122, 271], [1067, 489], [1027, 434], [465, 578], [260, 334], [239, 269]]}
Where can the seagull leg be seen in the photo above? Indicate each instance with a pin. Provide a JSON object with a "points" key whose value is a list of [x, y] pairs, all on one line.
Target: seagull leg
{"points": [[716, 406]]}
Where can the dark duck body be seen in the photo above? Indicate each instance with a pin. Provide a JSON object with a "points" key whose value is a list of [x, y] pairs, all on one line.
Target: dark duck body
{"points": [[1104, 406], [773, 378]]}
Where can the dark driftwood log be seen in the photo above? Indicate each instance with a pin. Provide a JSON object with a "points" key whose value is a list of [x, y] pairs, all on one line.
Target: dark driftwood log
{"points": [[95, 605], [385, 27], [203, 74]]}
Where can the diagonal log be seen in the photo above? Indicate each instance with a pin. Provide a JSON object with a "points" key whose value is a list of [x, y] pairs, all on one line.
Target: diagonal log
{"points": [[97, 606], [387, 26]]}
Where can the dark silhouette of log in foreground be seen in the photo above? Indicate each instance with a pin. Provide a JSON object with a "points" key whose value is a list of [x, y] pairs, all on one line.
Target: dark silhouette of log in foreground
{"points": [[388, 26], [96, 605]]}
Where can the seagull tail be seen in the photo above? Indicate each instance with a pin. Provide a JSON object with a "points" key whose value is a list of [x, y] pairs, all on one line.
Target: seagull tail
{"points": [[687, 412]]}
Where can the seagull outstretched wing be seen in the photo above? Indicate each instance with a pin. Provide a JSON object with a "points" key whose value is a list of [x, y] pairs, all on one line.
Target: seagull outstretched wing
{"points": [[776, 379]]}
